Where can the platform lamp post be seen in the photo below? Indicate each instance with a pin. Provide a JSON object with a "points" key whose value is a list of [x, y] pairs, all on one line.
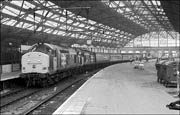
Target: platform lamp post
{"points": [[178, 78], [10, 45]]}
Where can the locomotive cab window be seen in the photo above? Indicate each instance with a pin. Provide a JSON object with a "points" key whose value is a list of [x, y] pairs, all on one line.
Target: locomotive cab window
{"points": [[43, 48]]}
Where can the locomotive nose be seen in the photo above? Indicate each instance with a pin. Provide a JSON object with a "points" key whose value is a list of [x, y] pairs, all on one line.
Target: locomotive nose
{"points": [[35, 62]]}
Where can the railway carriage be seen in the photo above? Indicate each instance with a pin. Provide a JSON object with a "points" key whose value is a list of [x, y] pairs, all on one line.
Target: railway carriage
{"points": [[86, 57]]}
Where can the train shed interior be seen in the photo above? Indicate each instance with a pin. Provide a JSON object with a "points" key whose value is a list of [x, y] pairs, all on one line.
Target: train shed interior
{"points": [[99, 26], [103, 32]]}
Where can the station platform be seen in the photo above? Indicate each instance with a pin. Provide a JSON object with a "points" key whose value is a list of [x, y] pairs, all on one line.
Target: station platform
{"points": [[120, 89], [9, 76]]}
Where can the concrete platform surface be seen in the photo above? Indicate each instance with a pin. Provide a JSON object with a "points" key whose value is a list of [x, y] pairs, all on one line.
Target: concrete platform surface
{"points": [[8, 76], [119, 89]]}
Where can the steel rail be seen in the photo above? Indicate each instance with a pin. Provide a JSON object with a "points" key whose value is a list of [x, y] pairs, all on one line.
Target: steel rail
{"points": [[50, 97], [12, 92], [2, 105]]}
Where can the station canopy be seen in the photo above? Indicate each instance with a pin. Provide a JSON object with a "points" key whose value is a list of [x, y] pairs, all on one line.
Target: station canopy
{"points": [[92, 23]]}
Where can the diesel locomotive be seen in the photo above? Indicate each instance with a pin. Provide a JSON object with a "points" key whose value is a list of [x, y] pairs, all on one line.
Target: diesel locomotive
{"points": [[45, 64]]}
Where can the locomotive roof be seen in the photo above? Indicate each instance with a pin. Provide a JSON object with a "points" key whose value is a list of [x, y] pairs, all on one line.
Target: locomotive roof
{"points": [[70, 50], [86, 52], [52, 46], [83, 50]]}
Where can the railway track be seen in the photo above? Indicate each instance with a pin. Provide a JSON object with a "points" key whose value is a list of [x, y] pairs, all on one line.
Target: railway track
{"points": [[12, 92], [40, 103], [31, 100], [16, 95]]}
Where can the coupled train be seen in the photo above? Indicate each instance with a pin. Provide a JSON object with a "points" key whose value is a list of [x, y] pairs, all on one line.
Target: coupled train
{"points": [[45, 64]]}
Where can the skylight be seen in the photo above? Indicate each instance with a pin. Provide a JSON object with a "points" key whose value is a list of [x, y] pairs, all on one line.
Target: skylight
{"points": [[55, 21], [131, 8], [30, 18], [17, 2], [81, 25], [69, 21], [10, 22], [28, 5], [10, 11]]}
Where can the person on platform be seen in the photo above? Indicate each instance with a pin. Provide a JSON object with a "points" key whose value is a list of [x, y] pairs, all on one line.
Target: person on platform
{"points": [[131, 60]]}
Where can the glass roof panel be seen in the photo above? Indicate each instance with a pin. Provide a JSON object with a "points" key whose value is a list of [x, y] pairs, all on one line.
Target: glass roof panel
{"points": [[92, 28], [49, 31], [131, 8], [50, 3], [46, 29], [153, 39], [20, 24], [91, 22], [10, 11], [27, 25], [39, 12], [76, 23], [30, 18], [17, 2], [147, 2], [120, 11], [84, 36], [128, 9], [121, 4], [4, 20], [80, 23], [51, 23], [82, 18], [112, 5], [39, 29], [78, 29], [10, 22], [28, 5], [55, 32], [54, 16], [154, 2], [69, 21], [49, 14], [31, 27], [48, 24], [37, 19], [62, 19]]}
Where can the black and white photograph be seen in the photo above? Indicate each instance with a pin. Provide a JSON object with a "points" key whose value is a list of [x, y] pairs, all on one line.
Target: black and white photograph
{"points": [[89, 57]]}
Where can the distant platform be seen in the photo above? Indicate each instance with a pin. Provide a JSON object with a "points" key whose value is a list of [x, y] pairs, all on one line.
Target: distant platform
{"points": [[120, 89], [9, 76]]}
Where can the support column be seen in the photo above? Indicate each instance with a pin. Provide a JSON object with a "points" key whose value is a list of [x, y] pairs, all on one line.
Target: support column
{"points": [[158, 39], [149, 41], [168, 46], [167, 39], [176, 39], [178, 78], [141, 46]]}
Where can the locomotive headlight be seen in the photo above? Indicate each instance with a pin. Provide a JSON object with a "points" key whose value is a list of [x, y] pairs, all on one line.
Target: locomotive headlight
{"points": [[44, 68]]}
